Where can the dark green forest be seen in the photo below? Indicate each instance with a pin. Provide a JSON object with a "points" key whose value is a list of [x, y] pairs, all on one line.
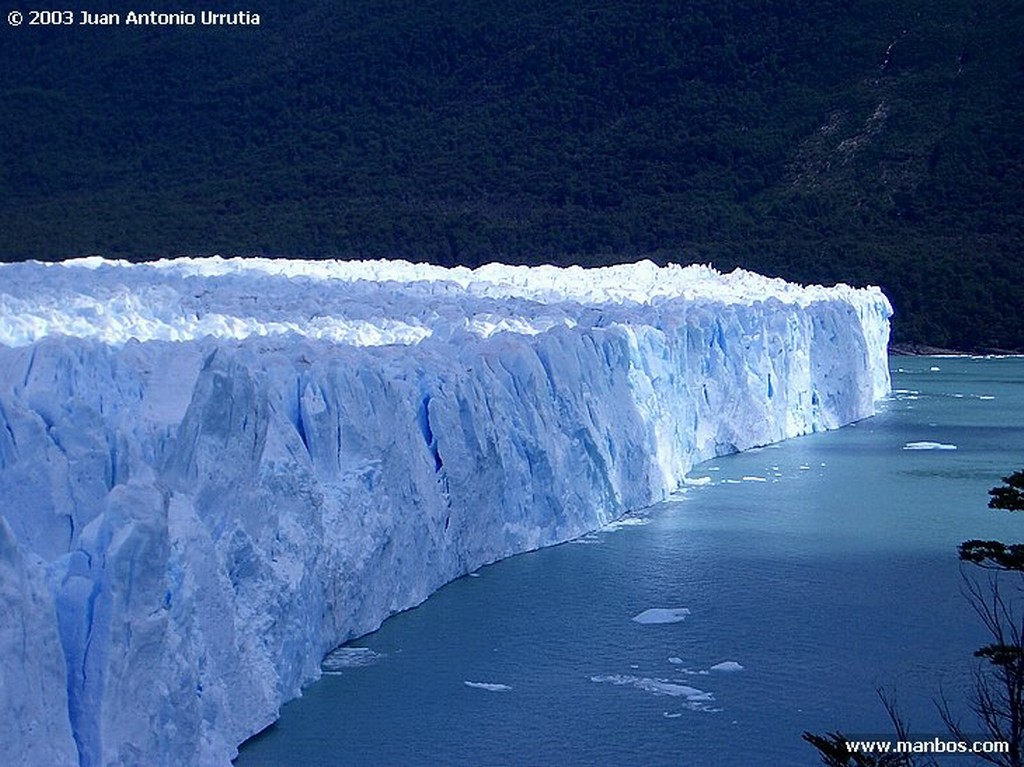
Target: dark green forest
{"points": [[821, 141]]}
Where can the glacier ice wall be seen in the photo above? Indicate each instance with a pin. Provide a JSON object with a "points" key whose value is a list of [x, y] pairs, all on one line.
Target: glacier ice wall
{"points": [[213, 471]]}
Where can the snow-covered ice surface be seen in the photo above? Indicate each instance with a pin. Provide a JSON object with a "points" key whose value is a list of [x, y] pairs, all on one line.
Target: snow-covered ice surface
{"points": [[212, 472]]}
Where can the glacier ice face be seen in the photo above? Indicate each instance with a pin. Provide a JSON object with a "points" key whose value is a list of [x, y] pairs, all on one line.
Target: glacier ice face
{"points": [[213, 471], [34, 727]]}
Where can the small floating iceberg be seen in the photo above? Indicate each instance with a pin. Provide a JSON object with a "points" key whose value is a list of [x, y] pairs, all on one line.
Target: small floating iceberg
{"points": [[694, 699], [489, 686], [662, 615], [728, 666], [657, 686], [929, 446]]}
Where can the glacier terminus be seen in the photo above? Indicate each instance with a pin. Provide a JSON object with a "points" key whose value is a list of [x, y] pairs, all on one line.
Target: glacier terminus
{"points": [[214, 471]]}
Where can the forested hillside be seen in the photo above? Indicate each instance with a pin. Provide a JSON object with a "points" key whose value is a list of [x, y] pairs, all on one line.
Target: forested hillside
{"points": [[821, 140]]}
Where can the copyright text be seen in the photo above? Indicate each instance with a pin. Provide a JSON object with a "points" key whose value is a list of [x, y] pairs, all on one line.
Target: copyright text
{"points": [[83, 18]]}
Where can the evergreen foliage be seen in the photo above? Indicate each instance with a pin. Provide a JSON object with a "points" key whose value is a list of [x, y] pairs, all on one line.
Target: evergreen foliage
{"points": [[1010, 496], [873, 142], [995, 555]]}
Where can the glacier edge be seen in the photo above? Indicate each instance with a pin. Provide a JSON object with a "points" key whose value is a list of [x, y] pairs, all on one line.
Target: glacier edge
{"points": [[208, 487]]}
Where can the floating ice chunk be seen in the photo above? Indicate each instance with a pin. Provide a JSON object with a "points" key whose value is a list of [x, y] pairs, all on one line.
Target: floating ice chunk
{"points": [[662, 615], [670, 715], [627, 521], [656, 686], [348, 657], [933, 369], [727, 665], [688, 671], [754, 479], [985, 396], [928, 446], [489, 686], [697, 481]]}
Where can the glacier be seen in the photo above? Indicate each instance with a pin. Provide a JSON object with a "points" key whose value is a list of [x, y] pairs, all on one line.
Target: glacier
{"points": [[215, 471]]}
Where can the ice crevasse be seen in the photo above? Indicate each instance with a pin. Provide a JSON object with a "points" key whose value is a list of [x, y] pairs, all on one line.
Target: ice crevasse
{"points": [[213, 471]]}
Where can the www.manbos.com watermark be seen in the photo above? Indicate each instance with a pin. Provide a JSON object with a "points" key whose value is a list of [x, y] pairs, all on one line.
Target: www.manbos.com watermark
{"points": [[925, 745]]}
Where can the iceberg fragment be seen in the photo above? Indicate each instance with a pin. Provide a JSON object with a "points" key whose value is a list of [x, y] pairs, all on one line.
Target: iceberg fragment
{"points": [[489, 686], [727, 665], [656, 615]]}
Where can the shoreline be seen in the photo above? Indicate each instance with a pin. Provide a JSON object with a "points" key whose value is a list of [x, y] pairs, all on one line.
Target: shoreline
{"points": [[924, 350]]}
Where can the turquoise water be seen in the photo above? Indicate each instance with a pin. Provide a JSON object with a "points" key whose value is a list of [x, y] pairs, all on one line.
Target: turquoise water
{"points": [[833, 576]]}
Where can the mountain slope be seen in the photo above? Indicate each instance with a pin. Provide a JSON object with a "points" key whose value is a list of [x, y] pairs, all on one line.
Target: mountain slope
{"points": [[868, 142]]}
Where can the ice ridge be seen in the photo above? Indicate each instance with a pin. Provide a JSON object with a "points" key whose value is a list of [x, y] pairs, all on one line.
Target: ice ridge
{"points": [[214, 471]]}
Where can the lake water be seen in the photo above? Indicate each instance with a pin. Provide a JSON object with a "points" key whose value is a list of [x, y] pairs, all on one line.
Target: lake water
{"points": [[826, 567]]}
